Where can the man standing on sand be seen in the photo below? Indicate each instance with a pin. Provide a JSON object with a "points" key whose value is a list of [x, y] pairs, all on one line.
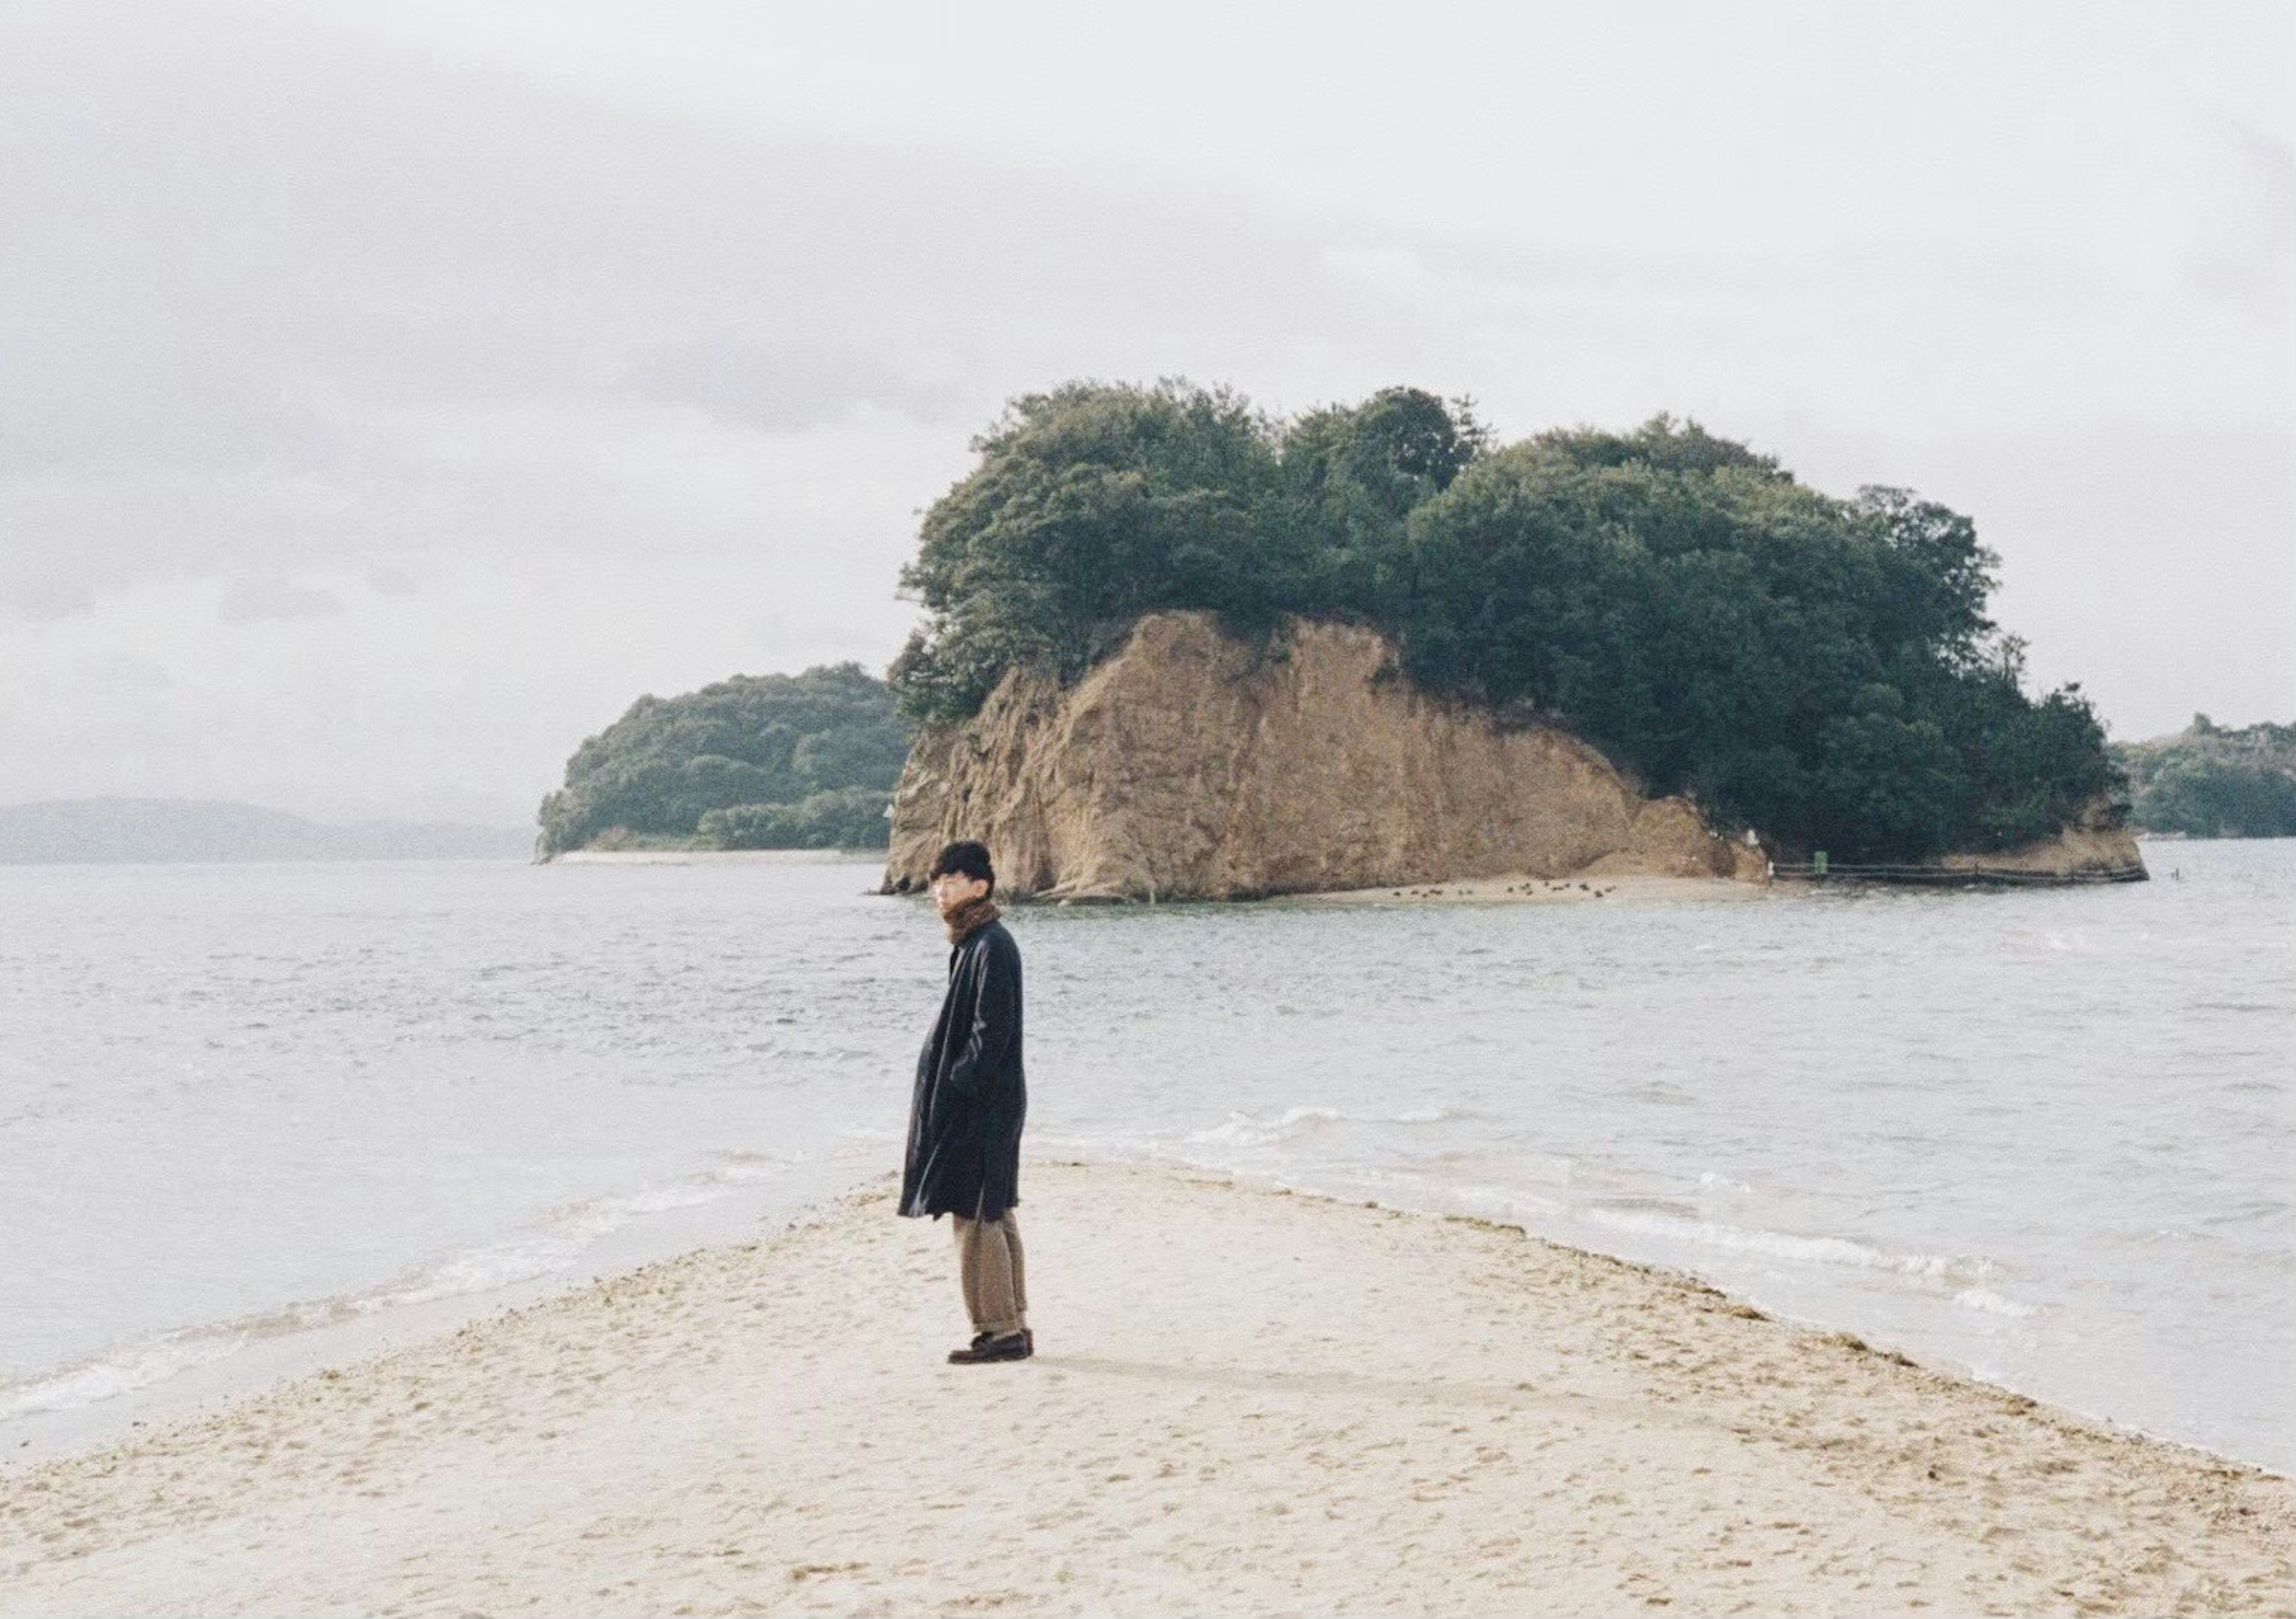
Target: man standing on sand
{"points": [[965, 1121]]}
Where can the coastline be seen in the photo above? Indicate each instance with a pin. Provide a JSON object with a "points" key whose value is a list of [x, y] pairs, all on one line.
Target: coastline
{"points": [[1577, 889], [717, 857], [1292, 1402]]}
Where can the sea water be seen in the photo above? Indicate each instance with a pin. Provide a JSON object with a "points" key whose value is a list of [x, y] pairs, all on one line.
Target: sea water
{"points": [[2044, 1136]]}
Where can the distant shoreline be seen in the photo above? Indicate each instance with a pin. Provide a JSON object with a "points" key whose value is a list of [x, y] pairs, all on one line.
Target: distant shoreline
{"points": [[717, 857], [1521, 891], [151, 831]]}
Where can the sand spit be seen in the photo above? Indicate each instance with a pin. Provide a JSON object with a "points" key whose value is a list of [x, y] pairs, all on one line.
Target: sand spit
{"points": [[1245, 1403]]}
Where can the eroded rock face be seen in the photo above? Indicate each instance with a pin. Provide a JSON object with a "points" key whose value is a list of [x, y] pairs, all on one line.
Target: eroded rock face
{"points": [[1192, 765], [2098, 848]]}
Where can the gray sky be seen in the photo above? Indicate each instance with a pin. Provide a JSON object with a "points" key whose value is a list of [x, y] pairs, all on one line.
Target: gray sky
{"points": [[391, 392]]}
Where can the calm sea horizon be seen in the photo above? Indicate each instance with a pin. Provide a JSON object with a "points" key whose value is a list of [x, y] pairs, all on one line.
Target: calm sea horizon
{"points": [[2043, 1136]]}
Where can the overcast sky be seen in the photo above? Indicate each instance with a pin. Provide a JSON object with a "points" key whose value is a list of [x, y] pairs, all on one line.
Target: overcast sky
{"points": [[389, 393]]}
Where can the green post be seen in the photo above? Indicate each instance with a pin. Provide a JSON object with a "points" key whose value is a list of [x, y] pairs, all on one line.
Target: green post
{"points": [[1818, 863]]}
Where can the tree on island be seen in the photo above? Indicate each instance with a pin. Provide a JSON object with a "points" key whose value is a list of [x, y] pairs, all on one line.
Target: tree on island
{"points": [[1819, 668], [765, 761], [2210, 780]]}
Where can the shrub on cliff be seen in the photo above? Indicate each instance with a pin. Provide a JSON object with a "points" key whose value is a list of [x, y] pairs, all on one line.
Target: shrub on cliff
{"points": [[1820, 669], [808, 761], [1091, 506]]}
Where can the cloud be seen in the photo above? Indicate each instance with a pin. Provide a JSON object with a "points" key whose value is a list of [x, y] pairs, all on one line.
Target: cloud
{"points": [[42, 598], [393, 581], [276, 289], [785, 387], [96, 405], [123, 675], [509, 360], [274, 601]]}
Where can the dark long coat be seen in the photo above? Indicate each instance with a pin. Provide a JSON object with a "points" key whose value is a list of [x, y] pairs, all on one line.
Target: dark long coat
{"points": [[965, 1120]]}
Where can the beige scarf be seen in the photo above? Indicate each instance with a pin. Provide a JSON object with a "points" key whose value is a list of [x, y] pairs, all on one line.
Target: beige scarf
{"points": [[970, 917]]}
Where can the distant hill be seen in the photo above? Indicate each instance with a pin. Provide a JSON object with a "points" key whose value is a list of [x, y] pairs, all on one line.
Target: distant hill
{"points": [[71, 830], [2211, 781], [757, 762]]}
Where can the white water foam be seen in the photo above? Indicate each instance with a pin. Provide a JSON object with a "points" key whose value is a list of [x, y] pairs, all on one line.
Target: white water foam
{"points": [[1785, 1244], [122, 1370], [1241, 1129], [1501, 1200], [1990, 1303], [554, 1246]]}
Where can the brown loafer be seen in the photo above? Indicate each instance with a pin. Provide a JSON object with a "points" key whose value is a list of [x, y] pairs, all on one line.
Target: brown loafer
{"points": [[1012, 1346]]}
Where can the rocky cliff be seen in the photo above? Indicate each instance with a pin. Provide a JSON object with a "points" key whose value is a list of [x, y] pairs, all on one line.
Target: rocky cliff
{"points": [[1193, 766], [2097, 849]]}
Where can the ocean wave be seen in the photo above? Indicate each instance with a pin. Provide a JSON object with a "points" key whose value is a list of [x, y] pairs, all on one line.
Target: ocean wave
{"points": [[1503, 1200], [1243, 1129], [121, 1371], [1790, 1246], [1990, 1303], [554, 1243]]}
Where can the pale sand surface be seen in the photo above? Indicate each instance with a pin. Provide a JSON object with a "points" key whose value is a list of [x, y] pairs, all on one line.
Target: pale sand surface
{"points": [[1549, 890], [1244, 1402]]}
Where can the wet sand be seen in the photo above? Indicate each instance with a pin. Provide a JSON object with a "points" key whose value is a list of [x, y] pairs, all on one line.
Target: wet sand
{"points": [[1245, 1400]]}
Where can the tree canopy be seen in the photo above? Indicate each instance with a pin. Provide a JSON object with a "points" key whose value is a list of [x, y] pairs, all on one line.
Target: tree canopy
{"points": [[1820, 669], [763, 761], [2210, 780]]}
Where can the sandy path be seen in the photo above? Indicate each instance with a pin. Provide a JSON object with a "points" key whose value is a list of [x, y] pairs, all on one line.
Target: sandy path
{"points": [[1245, 1402]]}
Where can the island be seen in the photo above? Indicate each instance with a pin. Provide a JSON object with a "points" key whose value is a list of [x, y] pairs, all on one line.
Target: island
{"points": [[2211, 781], [802, 761], [1176, 649]]}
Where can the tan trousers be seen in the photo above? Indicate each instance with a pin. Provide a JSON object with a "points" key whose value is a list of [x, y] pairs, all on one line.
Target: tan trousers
{"points": [[988, 1265]]}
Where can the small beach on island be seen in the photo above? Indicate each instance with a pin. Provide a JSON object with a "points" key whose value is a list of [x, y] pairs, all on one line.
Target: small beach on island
{"points": [[1521, 888], [1245, 1400]]}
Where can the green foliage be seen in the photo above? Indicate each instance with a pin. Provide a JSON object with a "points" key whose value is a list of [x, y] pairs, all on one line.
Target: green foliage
{"points": [[1091, 506], [1886, 780], [1822, 669], [2212, 782], [1350, 476], [843, 818], [819, 751]]}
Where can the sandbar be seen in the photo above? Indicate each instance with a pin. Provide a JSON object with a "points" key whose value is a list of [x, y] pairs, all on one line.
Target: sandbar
{"points": [[1245, 1402]]}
